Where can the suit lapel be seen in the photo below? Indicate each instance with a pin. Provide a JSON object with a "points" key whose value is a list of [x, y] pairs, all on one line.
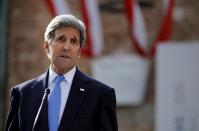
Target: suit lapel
{"points": [[77, 93], [42, 83]]}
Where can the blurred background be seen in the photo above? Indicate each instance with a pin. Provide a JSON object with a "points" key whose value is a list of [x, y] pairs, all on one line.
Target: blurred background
{"points": [[127, 31]]}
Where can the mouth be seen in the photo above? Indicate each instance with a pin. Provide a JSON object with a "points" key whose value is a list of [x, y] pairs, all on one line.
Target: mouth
{"points": [[65, 56]]}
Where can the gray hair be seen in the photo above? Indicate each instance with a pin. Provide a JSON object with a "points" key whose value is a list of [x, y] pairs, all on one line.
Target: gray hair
{"points": [[64, 21]]}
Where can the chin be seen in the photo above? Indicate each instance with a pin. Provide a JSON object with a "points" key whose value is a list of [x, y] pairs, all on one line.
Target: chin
{"points": [[65, 67]]}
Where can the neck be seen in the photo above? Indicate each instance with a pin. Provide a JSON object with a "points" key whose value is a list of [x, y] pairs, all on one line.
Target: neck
{"points": [[60, 71]]}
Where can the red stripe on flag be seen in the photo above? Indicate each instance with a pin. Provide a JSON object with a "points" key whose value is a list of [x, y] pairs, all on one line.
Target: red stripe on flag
{"points": [[87, 47], [165, 30], [51, 7], [129, 9]]}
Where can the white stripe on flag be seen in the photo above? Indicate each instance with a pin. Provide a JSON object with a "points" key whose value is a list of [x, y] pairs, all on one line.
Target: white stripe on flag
{"points": [[95, 26], [137, 27], [165, 5], [139, 31], [61, 7]]}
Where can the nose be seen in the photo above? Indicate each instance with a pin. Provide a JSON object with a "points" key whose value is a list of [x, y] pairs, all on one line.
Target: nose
{"points": [[66, 46]]}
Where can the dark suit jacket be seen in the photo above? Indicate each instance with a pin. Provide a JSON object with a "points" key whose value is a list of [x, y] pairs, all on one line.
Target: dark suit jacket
{"points": [[93, 109]]}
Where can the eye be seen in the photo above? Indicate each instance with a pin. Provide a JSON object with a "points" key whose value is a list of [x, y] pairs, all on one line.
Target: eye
{"points": [[74, 41], [61, 39]]}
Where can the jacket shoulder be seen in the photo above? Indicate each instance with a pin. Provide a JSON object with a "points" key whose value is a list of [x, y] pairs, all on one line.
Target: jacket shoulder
{"points": [[29, 83]]}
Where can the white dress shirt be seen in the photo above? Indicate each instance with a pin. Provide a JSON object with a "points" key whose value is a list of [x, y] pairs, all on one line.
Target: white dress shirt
{"points": [[65, 87]]}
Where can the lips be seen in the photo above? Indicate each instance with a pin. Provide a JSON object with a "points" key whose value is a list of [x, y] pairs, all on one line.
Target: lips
{"points": [[64, 56]]}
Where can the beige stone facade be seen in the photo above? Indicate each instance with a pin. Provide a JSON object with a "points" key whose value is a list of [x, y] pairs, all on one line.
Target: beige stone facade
{"points": [[27, 59]]}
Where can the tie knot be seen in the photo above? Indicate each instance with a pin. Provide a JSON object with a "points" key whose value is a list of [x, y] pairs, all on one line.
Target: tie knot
{"points": [[59, 79]]}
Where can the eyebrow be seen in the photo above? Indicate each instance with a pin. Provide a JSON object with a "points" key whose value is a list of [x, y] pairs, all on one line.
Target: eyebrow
{"points": [[75, 37], [63, 35], [58, 36]]}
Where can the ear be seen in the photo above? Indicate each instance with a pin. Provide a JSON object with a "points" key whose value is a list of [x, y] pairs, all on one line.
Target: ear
{"points": [[46, 47], [79, 53]]}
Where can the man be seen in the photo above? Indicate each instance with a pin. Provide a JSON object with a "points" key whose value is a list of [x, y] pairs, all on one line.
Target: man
{"points": [[76, 102]]}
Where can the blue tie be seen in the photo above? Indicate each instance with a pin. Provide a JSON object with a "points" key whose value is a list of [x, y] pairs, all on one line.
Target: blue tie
{"points": [[54, 105]]}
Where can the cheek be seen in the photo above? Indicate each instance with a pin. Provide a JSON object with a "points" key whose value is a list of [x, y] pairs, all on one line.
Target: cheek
{"points": [[52, 53], [75, 55]]}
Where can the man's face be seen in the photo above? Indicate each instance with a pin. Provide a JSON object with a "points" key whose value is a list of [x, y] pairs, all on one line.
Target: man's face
{"points": [[64, 49]]}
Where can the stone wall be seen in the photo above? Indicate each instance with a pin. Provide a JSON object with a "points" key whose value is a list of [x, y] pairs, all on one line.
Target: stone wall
{"points": [[26, 57]]}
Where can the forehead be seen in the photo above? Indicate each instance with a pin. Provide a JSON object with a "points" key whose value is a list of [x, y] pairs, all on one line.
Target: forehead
{"points": [[67, 31]]}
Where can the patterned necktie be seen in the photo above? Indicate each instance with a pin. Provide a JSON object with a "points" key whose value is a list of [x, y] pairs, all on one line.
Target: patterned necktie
{"points": [[54, 105]]}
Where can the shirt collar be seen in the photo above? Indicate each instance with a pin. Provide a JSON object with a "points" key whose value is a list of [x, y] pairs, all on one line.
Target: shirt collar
{"points": [[68, 76]]}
